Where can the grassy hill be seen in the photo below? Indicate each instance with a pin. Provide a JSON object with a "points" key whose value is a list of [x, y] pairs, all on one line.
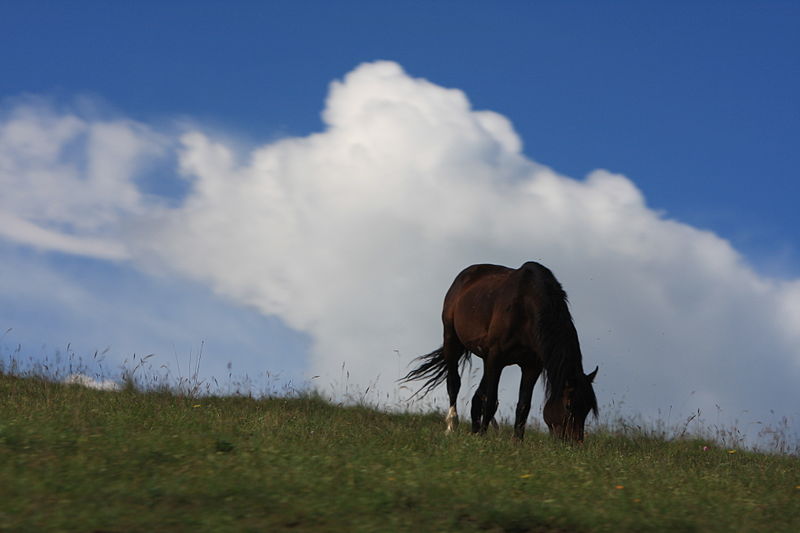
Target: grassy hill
{"points": [[77, 459]]}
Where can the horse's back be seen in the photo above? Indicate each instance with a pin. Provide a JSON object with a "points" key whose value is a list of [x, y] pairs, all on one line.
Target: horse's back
{"points": [[485, 290], [475, 273], [476, 281], [530, 273], [489, 304]]}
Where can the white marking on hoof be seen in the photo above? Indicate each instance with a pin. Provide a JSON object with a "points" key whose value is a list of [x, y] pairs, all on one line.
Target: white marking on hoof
{"points": [[452, 419]]}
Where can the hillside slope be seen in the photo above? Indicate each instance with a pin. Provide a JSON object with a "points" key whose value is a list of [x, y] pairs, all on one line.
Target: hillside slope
{"points": [[76, 459]]}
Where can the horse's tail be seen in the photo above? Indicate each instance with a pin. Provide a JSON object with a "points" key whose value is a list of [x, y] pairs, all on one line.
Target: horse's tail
{"points": [[433, 369]]}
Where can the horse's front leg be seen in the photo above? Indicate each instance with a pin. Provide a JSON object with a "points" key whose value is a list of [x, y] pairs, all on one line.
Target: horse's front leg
{"points": [[529, 376]]}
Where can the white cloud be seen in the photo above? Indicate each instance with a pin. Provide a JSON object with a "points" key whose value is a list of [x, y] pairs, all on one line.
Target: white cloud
{"points": [[92, 383], [352, 235], [68, 182], [22, 231], [90, 316]]}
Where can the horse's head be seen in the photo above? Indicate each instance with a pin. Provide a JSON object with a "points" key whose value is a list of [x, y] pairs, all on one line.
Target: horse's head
{"points": [[565, 413]]}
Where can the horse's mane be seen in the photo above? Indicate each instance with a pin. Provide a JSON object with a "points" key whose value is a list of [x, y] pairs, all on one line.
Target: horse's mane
{"points": [[559, 347]]}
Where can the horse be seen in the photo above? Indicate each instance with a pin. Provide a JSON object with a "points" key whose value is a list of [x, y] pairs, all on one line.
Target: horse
{"points": [[511, 316]]}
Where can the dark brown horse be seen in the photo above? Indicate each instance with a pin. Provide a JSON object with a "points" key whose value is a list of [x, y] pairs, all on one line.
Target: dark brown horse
{"points": [[512, 317]]}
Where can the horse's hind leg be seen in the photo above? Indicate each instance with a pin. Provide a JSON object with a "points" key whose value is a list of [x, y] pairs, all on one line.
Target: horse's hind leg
{"points": [[477, 408], [452, 352], [491, 375]]}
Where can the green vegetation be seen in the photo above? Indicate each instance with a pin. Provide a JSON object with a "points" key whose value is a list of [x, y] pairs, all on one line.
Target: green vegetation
{"points": [[77, 459]]}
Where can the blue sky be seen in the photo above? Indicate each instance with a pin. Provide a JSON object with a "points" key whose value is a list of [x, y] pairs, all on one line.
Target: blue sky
{"points": [[695, 103]]}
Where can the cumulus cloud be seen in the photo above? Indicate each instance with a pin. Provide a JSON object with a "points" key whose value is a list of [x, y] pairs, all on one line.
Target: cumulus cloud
{"points": [[353, 234]]}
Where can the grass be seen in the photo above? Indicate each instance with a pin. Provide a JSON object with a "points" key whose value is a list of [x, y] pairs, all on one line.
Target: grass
{"points": [[78, 459]]}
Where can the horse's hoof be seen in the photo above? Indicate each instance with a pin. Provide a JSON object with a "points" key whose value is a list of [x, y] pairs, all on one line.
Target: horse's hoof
{"points": [[452, 420]]}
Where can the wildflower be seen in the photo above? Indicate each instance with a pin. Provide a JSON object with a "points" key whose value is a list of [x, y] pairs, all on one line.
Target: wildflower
{"points": [[705, 448], [731, 451], [526, 476], [197, 405], [619, 487]]}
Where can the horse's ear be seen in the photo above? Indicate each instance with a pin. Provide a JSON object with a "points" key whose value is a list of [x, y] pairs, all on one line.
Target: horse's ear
{"points": [[593, 374]]}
